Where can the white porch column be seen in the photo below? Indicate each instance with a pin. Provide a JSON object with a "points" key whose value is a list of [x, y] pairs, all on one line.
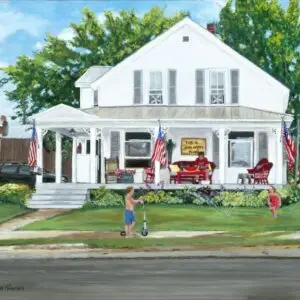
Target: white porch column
{"points": [[93, 163], [221, 133], [83, 144], [102, 159], [58, 159], [122, 150], [279, 157], [74, 160], [157, 172], [40, 162]]}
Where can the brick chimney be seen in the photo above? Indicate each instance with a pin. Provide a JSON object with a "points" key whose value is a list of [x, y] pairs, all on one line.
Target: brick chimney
{"points": [[212, 28]]}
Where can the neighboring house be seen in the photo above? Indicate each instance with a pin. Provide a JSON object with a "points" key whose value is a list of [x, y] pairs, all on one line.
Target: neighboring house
{"points": [[197, 86]]}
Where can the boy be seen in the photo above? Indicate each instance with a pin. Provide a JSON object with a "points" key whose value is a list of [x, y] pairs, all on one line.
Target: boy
{"points": [[129, 210]]}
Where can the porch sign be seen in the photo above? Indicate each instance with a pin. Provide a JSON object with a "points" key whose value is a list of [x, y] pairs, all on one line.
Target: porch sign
{"points": [[191, 146]]}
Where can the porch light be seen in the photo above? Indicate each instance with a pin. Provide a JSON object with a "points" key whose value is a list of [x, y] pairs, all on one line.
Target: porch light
{"points": [[72, 132]]}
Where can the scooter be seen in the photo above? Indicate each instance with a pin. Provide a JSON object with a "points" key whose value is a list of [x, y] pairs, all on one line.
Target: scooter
{"points": [[144, 230]]}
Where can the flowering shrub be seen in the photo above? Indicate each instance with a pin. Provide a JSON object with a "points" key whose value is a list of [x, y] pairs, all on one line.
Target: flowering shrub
{"points": [[104, 198], [15, 193]]}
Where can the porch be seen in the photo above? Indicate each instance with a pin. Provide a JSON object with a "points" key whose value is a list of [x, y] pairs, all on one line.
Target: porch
{"points": [[232, 144]]}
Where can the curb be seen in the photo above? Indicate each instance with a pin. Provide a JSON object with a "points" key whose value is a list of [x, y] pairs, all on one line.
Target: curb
{"points": [[83, 253]]}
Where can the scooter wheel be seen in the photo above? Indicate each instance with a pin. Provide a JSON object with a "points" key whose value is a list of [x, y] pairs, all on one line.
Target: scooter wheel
{"points": [[144, 232], [122, 233]]}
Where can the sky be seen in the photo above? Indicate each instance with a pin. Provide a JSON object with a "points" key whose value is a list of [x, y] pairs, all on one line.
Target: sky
{"points": [[24, 24]]}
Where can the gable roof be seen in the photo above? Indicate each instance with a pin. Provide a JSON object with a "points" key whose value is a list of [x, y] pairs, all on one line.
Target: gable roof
{"points": [[63, 113], [198, 29], [92, 74]]}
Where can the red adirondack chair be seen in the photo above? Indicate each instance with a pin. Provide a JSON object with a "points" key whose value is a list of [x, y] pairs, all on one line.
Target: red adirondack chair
{"points": [[261, 161], [149, 178], [261, 173]]}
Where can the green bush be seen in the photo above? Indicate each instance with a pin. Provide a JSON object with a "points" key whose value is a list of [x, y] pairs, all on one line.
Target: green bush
{"points": [[289, 194], [15, 193], [240, 199], [104, 198]]}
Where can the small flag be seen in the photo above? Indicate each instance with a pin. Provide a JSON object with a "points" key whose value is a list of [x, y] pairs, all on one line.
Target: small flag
{"points": [[32, 156], [289, 145], [159, 151]]}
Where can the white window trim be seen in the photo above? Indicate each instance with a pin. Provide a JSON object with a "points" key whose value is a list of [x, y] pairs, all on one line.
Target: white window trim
{"points": [[163, 88], [242, 140], [144, 140], [226, 89]]}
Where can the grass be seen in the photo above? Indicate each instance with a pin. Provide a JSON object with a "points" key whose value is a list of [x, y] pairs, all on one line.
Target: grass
{"points": [[203, 243], [10, 211], [188, 217]]}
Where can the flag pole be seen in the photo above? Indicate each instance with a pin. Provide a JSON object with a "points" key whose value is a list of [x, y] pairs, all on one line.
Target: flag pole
{"points": [[297, 149]]}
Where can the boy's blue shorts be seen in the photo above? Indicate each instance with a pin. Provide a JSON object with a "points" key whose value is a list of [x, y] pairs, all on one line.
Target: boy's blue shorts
{"points": [[129, 217]]}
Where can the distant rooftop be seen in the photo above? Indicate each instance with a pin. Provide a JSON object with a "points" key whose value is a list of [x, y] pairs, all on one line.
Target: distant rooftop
{"points": [[91, 75]]}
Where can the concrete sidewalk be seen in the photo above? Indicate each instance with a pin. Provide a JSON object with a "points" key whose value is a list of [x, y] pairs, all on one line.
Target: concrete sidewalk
{"points": [[14, 253], [12, 235]]}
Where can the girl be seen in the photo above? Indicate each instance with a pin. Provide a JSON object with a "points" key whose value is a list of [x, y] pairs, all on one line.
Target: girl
{"points": [[274, 201]]}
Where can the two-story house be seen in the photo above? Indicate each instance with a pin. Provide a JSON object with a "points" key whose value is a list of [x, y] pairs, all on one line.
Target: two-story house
{"points": [[197, 86]]}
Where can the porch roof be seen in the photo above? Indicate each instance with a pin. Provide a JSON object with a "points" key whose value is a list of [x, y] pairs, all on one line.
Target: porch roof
{"points": [[184, 113]]}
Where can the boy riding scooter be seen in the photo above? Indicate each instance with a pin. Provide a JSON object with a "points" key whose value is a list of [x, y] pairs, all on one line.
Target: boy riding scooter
{"points": [[129, 210]]}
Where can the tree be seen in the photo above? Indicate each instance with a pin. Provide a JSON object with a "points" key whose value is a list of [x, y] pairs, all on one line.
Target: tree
{"points": [[48, 78], [269, 36]]}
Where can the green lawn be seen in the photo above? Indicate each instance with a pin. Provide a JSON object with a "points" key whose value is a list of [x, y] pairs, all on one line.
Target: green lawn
{"points": [[9, 211], [176, 218], [220, 241]]}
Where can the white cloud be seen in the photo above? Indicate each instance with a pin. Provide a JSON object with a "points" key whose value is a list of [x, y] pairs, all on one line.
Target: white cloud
{"points": [[66, 34], [101, 17], [3, 64], [11, 21], [39, 46]]}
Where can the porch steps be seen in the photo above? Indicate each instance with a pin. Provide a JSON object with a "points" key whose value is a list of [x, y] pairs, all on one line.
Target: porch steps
{"points": [[53, 195]]}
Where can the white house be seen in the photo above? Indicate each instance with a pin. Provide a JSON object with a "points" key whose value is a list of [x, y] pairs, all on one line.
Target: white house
{"points": [[197, 86]]}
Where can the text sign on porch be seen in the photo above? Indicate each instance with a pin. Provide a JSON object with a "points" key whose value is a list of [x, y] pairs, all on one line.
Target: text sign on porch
{"points": [[191, 146]]}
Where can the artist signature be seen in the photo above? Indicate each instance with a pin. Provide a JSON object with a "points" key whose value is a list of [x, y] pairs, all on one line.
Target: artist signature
{"points": [[11, 288]]}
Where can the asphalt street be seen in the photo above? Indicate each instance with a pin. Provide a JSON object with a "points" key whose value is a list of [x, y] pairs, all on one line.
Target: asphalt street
{"points": [[150, 279]]}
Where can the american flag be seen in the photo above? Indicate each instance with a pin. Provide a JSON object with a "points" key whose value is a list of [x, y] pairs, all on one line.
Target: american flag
{"points": [[289, 145], [32, 156], [159, 151]]}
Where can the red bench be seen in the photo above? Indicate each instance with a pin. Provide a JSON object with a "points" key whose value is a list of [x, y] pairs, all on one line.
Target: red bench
{"points": [[190, 175]]}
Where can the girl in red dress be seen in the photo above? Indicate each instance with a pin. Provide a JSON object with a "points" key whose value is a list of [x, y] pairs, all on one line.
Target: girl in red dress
{"points": [[274, 201]]}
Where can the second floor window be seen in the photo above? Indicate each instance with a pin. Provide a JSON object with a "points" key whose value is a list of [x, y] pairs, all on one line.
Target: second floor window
{"points": [[217, 87], [155, 89]]}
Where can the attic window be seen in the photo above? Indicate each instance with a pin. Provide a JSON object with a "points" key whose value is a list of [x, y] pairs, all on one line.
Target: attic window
{"points": [[185, 38]]}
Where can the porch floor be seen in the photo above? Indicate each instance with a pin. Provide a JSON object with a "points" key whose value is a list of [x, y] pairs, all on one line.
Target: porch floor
{"points": [[168, 186]]}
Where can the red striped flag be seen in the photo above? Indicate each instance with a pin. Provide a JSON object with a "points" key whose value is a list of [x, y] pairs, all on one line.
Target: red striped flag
{"points": [[159, 151], [289, 146], [32, 156]]}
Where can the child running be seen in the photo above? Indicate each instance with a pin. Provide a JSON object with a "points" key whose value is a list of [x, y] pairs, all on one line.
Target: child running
{"points": [[129, 210], [274, 201]]}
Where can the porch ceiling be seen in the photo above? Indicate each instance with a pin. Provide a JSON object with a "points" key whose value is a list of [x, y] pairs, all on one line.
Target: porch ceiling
{"points": [[184, 113]]}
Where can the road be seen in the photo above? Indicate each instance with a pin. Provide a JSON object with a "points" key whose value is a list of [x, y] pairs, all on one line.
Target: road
{"points": [[150, 279]]}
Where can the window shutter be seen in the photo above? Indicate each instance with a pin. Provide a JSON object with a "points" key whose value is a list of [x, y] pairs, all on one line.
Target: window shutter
{"points": [[262, 145], [114, 144], [216, 150], [138, 87], [96, 98], [172, 86], [235, 82], [200, 86]]}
